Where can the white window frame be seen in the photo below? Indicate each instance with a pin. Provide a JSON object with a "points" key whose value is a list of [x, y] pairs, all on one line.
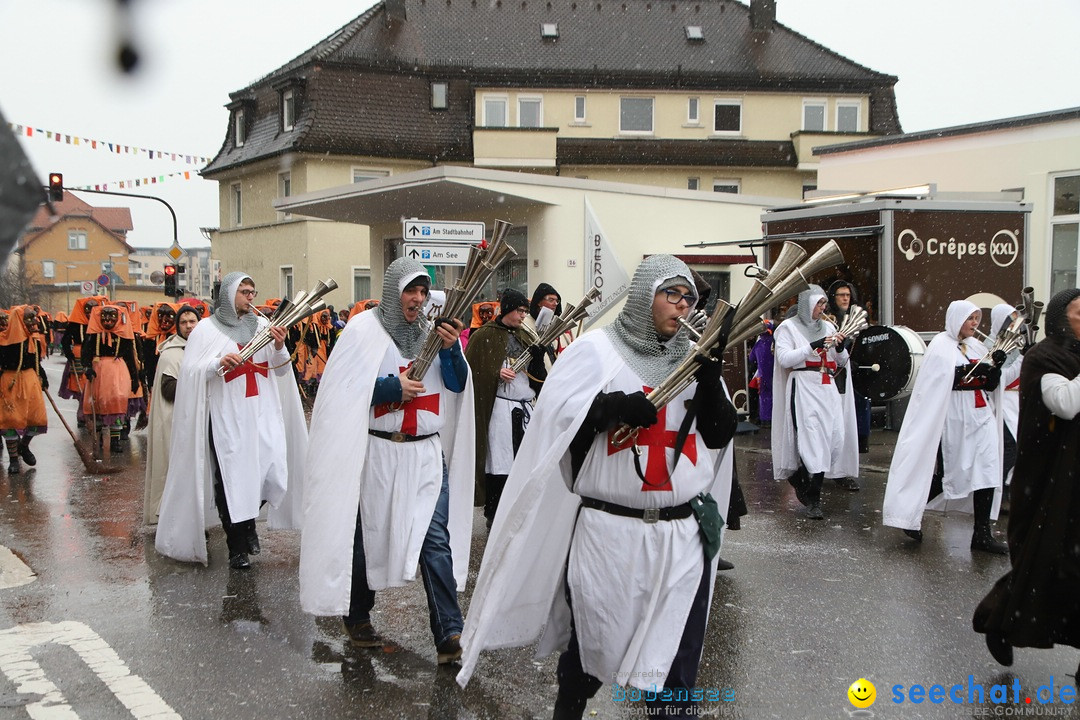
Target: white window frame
{"points": [[816, 102], [652, 115], [727, 182], [842, 104], [76, 239], [286, 280], [239, 128], [48, 269], [367, 173], [504, 99], [693, 183], [1055, 220], [440, 95], [237, 204], [285, 190], [727, 102], [580, 117], [539, 100], [288, 110], [359, 271], [693, 111]]}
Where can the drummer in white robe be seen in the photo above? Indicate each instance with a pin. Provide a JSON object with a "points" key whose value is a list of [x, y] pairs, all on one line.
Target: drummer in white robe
{"points": [[238, 438], [810, 426], [390, 468], [587, 524], [960, 416]]}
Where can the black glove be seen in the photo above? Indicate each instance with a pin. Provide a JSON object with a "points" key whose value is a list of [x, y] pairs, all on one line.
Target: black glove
{"points": [[998, 358], [538, 351], [848, 343], [991, 377], [638, 411], [709, 373], [89, 374], [44, 381], [818, 344]]}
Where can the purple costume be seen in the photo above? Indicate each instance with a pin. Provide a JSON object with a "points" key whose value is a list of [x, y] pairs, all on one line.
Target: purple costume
{"points": [[762, 356]]}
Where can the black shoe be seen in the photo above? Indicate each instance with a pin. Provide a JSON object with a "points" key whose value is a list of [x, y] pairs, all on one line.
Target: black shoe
{"points": [[722, 564], [864, 444], [983, 539], [239, 561], [363, 635], [798, 481], [915, 535], [734, 523], [13, 467], [849, 484], [814, 512], [253, 542], [450, 649], [115, 445], [1001, 650], [25, 454]]}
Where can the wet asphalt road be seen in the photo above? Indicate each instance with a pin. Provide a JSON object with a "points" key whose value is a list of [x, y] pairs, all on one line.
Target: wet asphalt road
{"points": [[810, 607]]}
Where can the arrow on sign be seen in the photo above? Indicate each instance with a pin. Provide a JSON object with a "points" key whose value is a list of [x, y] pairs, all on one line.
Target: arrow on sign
{"points": [[414, 254], [413, 230]]}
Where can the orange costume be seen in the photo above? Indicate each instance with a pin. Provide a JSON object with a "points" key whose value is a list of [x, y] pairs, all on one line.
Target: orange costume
{"points": [[108, 354], [22, 405]]}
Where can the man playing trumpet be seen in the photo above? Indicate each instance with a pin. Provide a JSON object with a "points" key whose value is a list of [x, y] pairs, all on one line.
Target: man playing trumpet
{"points": [[238, 433]]}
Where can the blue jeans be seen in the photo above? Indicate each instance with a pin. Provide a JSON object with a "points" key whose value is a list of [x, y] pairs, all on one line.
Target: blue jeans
{"points": [[436, 569]]}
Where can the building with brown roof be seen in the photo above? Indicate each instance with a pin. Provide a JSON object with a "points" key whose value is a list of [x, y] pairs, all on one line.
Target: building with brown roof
{"points": [[710, 95]]}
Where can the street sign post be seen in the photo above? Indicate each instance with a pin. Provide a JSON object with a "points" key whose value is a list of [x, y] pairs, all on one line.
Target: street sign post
{"points": [[442, 231], [175, 252], [103, 280], [87, 287], [438, 253]]}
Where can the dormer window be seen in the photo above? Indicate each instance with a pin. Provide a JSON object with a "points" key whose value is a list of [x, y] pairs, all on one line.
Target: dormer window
{"points": [[288, 110], [549, 31], [439, 95], [240, 127]]}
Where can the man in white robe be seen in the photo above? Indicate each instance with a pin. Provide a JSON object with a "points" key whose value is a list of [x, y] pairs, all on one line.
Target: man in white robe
{"points": [[238, 436], [1001, 316], [390, 468], [610, 555], [950, 447], [810, 426], [169, 356]]}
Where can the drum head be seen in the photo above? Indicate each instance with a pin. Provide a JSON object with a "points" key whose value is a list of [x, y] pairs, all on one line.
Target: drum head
{"points": [[894, 357]]}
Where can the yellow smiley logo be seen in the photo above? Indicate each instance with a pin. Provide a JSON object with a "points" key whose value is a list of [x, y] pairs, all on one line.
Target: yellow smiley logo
{"points": [[862, 693]]}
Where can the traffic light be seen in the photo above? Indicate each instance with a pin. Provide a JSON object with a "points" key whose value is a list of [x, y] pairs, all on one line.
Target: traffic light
{"points": [[56, 187], [170, 280]]}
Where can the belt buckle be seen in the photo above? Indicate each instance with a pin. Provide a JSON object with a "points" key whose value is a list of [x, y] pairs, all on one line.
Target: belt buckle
{"points": [[651, 515], [398, 437]]}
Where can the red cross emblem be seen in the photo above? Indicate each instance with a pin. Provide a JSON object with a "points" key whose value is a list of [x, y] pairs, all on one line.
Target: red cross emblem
{"points": [[427, 403], [657, 438], [825, 364], [980, 398], [249, 370]]}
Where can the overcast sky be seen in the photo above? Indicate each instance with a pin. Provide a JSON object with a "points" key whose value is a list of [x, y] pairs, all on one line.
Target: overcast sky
{"points": [[958, 61]]}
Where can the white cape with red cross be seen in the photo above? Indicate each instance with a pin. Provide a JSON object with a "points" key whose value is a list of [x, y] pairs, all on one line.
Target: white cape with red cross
{"points": [[519, 597]]}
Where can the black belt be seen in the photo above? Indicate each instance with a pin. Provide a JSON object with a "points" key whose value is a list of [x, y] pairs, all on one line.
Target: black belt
{"points": [[399, 436], [649, 515]]}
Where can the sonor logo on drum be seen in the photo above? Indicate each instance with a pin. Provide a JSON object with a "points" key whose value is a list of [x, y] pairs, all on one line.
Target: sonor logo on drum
{"points": [[1003, 248]]}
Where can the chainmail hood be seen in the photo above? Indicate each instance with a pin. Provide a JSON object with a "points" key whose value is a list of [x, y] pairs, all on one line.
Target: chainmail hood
{"points": [[241, 329], [808, 299], [633, 334], [409, 337]]}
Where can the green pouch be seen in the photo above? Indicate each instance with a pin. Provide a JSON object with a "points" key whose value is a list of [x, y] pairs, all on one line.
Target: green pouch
{"points": [[709, 523]]}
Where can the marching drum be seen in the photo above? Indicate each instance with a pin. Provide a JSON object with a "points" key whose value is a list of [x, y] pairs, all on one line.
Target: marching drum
{"points": [[886, 361]]}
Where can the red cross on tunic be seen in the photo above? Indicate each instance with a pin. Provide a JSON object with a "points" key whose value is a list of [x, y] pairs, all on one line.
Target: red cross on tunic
{"points": [[1014, 385], [427, 403], [657, 438], [824, 363], [980, 398], [250, 370]]}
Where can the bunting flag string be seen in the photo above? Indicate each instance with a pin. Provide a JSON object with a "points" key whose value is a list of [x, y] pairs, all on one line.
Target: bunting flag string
{"points": [[139, 182], [104, 145]]}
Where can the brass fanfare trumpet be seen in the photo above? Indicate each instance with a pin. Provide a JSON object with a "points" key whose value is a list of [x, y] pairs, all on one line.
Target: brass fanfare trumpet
{"points": [[481, 265], [787, 278], [287, 314], [571, 315]]}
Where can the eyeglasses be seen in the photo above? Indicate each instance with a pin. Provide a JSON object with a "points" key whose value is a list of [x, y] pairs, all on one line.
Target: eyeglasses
{"points": [[674, 297], [249, 293]]}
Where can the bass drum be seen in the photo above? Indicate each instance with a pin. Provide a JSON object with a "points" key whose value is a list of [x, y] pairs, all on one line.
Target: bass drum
{"points": [[886, 362]]}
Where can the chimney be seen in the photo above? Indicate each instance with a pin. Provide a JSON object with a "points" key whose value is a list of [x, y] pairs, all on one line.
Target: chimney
{"points": [[762, 15], [395, 13]]}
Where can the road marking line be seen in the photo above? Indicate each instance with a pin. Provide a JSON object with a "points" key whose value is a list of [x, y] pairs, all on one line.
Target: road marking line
{"points": [[13, 571], [18, 665]]}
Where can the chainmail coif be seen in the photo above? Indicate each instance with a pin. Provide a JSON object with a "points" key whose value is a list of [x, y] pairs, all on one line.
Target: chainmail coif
{"points": [[633, 333], [409, 337], [242, 328], [808, 299]]}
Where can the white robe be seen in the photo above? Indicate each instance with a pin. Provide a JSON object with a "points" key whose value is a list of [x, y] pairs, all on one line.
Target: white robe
{"points": [[395, 485], [970, 439], [630, 606], [170, 355], [825, 418], [260, 443]]}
